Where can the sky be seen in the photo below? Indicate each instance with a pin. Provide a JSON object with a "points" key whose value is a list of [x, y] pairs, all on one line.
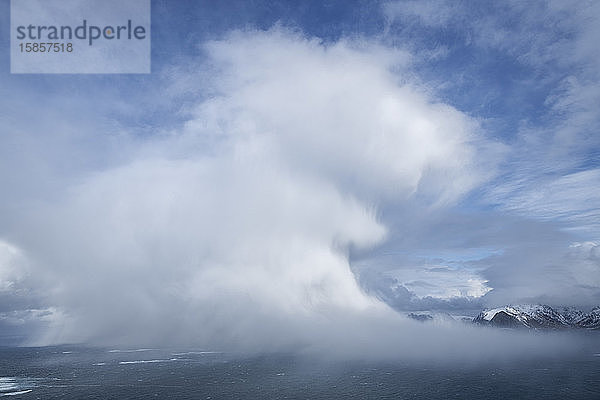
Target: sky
{"points": [[305, 169]]}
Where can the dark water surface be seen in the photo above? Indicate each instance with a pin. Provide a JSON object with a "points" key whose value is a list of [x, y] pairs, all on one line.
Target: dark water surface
{"points": [[70, 372]]}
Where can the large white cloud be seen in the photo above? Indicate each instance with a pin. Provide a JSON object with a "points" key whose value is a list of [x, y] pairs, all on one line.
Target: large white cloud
{"points": [[240, 222], [339, 112]]}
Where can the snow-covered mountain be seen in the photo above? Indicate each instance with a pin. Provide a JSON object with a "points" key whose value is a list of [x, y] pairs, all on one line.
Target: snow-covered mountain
{"points": [[591, 320], [539, 317]]}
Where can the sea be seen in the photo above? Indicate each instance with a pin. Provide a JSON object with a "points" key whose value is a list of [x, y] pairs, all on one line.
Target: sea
{"points": [[77, 372]]}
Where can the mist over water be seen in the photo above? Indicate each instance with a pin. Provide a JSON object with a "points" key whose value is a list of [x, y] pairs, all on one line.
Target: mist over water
{"points": [[64, 372]]}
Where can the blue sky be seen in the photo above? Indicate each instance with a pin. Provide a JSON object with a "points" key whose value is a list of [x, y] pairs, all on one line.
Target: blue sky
{"points": [[439, 155]]}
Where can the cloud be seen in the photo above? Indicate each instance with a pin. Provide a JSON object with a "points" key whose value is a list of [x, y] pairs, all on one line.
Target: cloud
{"points": [[441, 282], [237, 226], [426, 289], [569, 198], [537, 273], [12, 268], [397, 143]]}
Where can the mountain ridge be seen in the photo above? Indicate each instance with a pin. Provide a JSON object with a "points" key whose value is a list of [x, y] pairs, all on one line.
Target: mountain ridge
{"points": [[539, 316]]}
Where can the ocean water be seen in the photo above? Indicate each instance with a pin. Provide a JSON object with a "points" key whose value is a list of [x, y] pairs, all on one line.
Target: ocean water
{"points": [[71, 372]]}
